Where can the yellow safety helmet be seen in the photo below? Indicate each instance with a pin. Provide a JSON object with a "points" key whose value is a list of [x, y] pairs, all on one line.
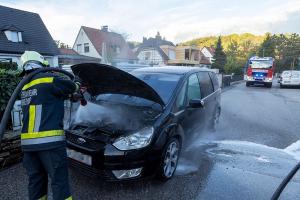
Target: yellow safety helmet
{"points": [[31, 60]]}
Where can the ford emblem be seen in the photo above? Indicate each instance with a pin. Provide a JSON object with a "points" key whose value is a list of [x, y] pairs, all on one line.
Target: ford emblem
{"points": [[81, 140]]}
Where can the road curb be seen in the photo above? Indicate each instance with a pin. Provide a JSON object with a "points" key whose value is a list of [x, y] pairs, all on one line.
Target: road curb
{"points": [[237, 82], [231, 85]]}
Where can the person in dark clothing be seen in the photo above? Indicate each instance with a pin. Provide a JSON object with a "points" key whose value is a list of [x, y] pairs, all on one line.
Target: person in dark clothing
{"points": [[42, 137]]}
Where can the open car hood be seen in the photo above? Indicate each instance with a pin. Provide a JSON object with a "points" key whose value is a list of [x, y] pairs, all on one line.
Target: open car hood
{"points": [[101, 79]]}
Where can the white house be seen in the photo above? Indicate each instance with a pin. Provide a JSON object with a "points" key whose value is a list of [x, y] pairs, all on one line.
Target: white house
{"points": [[155, 51], [20, 31], [209, 53], [95, 42], [84, 46]]}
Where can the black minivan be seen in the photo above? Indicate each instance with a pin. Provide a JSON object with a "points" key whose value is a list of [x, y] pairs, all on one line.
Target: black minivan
{"points": [[135, 124]]}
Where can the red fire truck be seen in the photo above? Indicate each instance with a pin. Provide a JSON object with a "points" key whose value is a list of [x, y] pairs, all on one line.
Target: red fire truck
{"points": [[260, 71]]}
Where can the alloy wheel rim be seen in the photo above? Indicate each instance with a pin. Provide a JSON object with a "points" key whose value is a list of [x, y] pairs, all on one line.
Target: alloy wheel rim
{"points": [[171, 159]]}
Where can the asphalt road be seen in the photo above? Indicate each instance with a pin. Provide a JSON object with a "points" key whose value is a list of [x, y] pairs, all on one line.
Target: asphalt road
{"points": [[254, 147]]}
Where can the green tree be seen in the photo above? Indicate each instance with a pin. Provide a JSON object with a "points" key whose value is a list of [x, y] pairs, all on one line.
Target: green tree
{"points": [[236, 58], [287, 51], [232, 55], [267, 48], [292, 52], [219, 57]]}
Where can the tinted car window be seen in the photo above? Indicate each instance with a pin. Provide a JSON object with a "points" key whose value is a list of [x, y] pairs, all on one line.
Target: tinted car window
{"points": [[163, 84], [205, 84], [180, 100], [193, 88], [215, 80]]}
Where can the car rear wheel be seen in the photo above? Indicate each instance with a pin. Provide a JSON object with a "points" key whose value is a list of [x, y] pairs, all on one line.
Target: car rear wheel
{"points": [[169, 160]]}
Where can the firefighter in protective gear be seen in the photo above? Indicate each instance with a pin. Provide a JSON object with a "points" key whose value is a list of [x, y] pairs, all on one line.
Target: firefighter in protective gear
{"points": [[42, 138]]}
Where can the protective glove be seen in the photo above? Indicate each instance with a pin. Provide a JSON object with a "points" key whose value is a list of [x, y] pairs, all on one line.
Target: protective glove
{"points": [[78, 83], [77, 96]]}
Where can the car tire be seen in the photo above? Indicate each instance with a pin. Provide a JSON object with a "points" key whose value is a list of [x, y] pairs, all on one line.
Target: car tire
{"points": [[248, 84], [169, 160], [281, 86]]}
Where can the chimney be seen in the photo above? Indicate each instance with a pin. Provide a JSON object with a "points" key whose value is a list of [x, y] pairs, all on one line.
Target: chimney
{"points": [[144, 39], [104, 28], [158, 36]]}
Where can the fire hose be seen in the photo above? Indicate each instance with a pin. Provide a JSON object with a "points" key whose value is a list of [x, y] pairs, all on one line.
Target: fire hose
{"points": [[17, 91], [285, 181]]}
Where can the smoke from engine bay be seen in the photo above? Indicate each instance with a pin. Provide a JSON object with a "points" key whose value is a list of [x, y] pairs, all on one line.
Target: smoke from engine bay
{"points": [[114, 117]]}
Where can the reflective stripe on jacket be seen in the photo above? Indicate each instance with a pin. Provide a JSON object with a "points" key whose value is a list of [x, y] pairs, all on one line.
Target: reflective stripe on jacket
{"points": [[42, 102]]}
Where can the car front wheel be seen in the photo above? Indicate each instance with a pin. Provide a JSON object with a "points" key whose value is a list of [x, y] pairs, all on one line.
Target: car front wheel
{"points": [[169, 160]]}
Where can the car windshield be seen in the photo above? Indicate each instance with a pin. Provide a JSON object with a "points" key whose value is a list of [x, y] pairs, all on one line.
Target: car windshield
{"points": [[163, 84], [259, 64]]}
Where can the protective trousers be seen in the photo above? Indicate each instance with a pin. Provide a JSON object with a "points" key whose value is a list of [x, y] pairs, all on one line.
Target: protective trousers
{"points": [[41, 164]]}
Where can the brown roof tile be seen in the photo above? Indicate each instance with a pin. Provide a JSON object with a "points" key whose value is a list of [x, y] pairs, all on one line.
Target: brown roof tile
{"points": [[64, 51]]}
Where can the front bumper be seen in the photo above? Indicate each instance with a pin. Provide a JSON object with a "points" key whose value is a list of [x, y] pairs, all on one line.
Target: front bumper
{"points": [[106, 159], [263, 80]]}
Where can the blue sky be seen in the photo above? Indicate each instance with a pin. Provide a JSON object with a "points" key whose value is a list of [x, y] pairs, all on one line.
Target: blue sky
{"points": [[177, 20]]}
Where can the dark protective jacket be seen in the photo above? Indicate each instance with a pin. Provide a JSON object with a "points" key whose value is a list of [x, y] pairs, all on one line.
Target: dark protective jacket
{"points": [[42, 102]]}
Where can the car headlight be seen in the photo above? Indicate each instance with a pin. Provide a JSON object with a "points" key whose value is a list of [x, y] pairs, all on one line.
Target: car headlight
{"points": [[137, 140]]}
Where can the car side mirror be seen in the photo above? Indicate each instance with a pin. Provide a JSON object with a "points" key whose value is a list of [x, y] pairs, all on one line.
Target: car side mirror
{"points": [[196, 103]]}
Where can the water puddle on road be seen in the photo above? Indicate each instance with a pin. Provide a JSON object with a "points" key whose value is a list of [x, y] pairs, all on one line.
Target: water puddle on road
{"points": [[242, 154]]}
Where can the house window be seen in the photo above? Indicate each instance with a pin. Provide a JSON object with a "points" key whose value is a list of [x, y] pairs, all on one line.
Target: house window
{"points": [[79, 48], [187, 54], [14, 36], [86, 48]]}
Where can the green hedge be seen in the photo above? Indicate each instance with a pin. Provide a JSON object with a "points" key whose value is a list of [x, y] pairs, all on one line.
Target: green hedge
{"points": [[8, 82], [8, 66]]}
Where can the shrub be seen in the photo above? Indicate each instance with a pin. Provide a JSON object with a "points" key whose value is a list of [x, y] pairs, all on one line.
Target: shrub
{"points": [[8, 82], [8, 65]]}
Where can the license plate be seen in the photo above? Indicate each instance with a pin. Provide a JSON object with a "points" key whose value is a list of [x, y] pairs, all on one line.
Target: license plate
{"points": [[86, 159], [287, 81]]}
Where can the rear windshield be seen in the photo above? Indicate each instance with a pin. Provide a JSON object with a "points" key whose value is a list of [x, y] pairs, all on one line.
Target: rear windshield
{"points": [[294, 74], [261, 64]]}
